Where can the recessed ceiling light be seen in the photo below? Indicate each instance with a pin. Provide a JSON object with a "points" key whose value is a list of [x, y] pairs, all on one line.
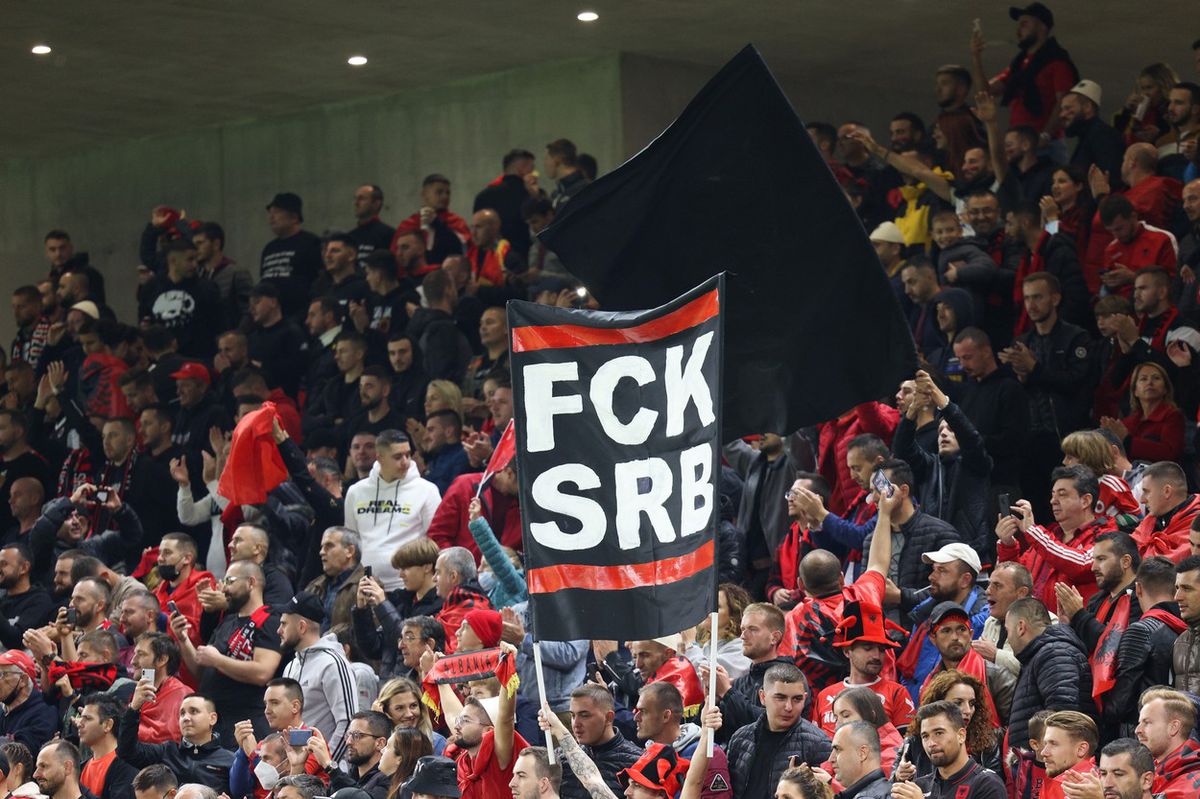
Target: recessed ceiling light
{"points": [[587, 16], [40, 49], [356, 60]]}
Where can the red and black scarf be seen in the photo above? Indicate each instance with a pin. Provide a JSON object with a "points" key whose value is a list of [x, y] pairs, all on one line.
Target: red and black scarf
{"points": [[1158, 342], [85, 676], [241, 643], [1182, 765], [1104, 658], [466, 667]]}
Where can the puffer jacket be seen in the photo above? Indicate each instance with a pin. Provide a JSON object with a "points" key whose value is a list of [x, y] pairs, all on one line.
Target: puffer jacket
{"points": [[1186, 660], [610, 758], [920, 534], [956, 489], [1055, 675], [740, 706], [208, 764], [1143, 661], [872, 786], [804, 740]]}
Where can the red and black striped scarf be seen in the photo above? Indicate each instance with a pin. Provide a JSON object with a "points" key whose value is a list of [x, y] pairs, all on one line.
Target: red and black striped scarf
{"points": [[241, 643]]}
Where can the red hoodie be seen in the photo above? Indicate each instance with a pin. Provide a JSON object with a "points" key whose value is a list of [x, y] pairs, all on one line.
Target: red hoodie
{"points": [[1177, 776], [834, 439], [188, 602]]}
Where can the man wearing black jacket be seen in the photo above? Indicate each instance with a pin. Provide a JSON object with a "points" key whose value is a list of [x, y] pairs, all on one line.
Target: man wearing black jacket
{"points": [[592, 713], [1115, 562], [328, 510], [995, 403], [1145, 649], [366, 738], [185, 304], [198, 757], [739, 700], [370, 234], [24, 605], [506, 194], [104, 773], [276, 344], [1099, 143]]}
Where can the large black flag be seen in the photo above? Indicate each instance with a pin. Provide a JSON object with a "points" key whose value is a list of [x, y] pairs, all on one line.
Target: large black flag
{"points": [[617, 416], [735, 184]]}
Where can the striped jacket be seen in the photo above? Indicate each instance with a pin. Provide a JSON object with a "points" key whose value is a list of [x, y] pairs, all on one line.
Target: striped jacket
{"points": [[330, 693], [1050, 560]]}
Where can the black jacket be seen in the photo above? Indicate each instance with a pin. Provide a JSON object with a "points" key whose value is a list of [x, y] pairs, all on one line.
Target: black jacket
{"points": [[1059, 388], [610, 758], [921, 533], [109, 546], [190, 309], [978, 782], [506, 198], [997, 407], [374, 782], [740, 706], [376, 630], [872, 786], [804, 739], [1060, 259], [1055, 675], [1098, 143], [208, 764], [118, 781], [22, 612], [1143, 660], [956, 490], [280, 349]]}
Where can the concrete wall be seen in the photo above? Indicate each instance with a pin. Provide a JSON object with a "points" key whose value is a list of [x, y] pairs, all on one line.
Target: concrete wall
{"points": [[103, 196]]}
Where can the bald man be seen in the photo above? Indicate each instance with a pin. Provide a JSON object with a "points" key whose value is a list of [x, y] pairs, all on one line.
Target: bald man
{"points": [[25, 498], [251, 542], [492, 258]]}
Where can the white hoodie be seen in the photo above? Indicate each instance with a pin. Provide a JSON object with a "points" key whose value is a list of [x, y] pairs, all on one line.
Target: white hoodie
{"points": [[388, 514]]}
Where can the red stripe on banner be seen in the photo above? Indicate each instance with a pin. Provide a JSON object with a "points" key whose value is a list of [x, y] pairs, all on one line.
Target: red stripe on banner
{"points": [[549, 337], [548, 579]]}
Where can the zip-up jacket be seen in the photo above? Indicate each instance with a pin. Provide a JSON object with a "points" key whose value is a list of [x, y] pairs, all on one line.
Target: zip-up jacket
{"points": [[330, 693], [207, 764]]}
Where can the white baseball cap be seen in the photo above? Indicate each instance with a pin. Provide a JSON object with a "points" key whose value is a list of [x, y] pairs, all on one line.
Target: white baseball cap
{"points": [[889, 232], [953, 552], [1089, 89]]}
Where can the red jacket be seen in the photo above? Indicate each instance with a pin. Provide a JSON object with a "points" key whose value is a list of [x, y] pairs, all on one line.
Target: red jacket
{"points": [[489, 270], [1052, 787], [449, 525], [1150, 246], [1155, 200], [160, 714], [1157, 437], [835, 436], [1050, 561], [1177, 776], [461, 601], [188, 602], [1170, 539]]}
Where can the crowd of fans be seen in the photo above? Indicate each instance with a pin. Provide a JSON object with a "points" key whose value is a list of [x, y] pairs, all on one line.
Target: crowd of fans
{"points": [[987, 585]]}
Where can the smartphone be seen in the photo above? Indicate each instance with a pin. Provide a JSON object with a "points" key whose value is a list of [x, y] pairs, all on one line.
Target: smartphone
{"points": [[977, 26], [101, 495], [148, 676], [72, 616], [881, 484], [171, 606], [1005, 506], [367, 571], [299, 737]]}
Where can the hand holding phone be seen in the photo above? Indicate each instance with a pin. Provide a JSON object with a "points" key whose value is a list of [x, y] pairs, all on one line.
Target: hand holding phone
{"points": [[1005, 506], [881, 484], [367, 571], [72, 617], [171, 606], [299, 737], [148, 676]]}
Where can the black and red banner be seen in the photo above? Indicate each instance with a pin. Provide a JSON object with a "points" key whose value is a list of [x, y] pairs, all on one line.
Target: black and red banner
{"points": [[618, 423]]}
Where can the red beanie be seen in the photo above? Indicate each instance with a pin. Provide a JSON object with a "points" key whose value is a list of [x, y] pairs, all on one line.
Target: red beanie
{"points": [[487, 626]]}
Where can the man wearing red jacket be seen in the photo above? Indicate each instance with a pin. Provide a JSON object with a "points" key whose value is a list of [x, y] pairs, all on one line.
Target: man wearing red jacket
{"points": [[500, 508], [445, 233], [177, 567], [1165, 725], [1134, 246], [1063, 551], [1068, 744], [1169, 512], [834, 441]]}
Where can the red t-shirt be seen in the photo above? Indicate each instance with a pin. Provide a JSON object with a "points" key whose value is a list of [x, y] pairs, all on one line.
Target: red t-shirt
{"points": [[480, 777], [897, 703], [95, 771], [1055, 78]]}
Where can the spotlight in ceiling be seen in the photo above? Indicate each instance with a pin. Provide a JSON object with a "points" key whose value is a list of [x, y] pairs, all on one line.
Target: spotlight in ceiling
{"points": [[356, 60], [40, 49], [587, 16]]}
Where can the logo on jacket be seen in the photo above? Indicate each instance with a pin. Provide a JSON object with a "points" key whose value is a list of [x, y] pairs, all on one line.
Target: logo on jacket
{"points": [[174, 307], [383, 506]]}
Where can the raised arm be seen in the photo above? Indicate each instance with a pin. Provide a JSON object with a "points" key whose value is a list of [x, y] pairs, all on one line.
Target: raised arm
{"points": [[904, 164], [879, 558], [581, 765]]}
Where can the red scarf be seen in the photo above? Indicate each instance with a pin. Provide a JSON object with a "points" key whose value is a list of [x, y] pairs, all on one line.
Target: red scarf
{"points": [[241, 643], [1172, 540], [254, 466], [1104, 658], [1168, 618], [975, 666], [1159, 342], [680, 672], [1031, 262], [85, 676], [464, 668]]}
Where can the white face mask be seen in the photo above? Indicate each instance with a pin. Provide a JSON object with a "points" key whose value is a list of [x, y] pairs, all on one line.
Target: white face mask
{"points": [[267, 775], [487, 580]]}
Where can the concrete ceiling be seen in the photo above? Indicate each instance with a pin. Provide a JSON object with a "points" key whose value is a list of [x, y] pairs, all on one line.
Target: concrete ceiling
{"points": [[137, 68]]}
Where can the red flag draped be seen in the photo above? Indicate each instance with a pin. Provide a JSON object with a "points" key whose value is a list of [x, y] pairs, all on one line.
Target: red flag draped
{"points": [[502, 455], [254, 466], [1104, 659]]}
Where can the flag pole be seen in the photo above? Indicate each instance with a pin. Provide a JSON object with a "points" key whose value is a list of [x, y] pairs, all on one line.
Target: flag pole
{"points": [[712, 676], [541, 683]]}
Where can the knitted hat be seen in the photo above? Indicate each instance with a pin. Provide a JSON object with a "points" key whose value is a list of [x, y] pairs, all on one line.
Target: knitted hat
{"points": [[487, 626]]}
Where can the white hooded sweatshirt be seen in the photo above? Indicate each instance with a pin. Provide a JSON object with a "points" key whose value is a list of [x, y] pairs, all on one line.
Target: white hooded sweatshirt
{"points": [[388, 514]]}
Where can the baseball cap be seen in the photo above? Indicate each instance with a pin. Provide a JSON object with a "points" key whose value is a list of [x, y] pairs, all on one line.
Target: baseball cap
{"points": [[307, 605], [1089, 89], [889, 232], [265, 288], [287, 201], [18, 658], [945, 610], [672, 642], [192, 371], [953, 552], [87, 307], [1035, 10]]}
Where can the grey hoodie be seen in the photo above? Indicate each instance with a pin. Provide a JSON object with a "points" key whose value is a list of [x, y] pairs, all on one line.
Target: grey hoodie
{"points": [[330, 691]]}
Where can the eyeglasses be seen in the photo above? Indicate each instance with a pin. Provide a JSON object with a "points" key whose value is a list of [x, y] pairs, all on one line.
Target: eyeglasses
{"points": [[410, 637], [790, 494], [228, 579], [354, 735]]}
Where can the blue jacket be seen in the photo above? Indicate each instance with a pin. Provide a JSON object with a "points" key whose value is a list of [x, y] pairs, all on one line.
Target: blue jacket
{"points": [[447, 464], [510, 588]]}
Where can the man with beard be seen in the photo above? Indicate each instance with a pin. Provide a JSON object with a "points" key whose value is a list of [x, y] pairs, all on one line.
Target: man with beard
{"points": [[104, 774], [365, 741], [374, 397], [17, 460], [489, 743], [24, 605], [533, 775], [243, 652], [1159, 329], [1068, 744], [28, 718], [1134, 246], [196, 757], [57, 772], [1047, 256], [592, 713], [944, 738], [1183, 112], [952, 634], [341, 279], [866, 645], [1099, 143], [160, 698], [283, 709], [1126, 771], [1165, 725]]}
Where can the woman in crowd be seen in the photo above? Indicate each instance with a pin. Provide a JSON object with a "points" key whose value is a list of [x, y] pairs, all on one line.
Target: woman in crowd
{"points": [[400, 701], [983, 737], [860, 703], [1070, 205], [732, 599], [1117, 500], [1154, 429], [406, 746]]}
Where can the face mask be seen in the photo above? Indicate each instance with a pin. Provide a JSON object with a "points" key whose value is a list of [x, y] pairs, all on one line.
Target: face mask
{"points": [[487, 580], [168, 572], [266, 774]]}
